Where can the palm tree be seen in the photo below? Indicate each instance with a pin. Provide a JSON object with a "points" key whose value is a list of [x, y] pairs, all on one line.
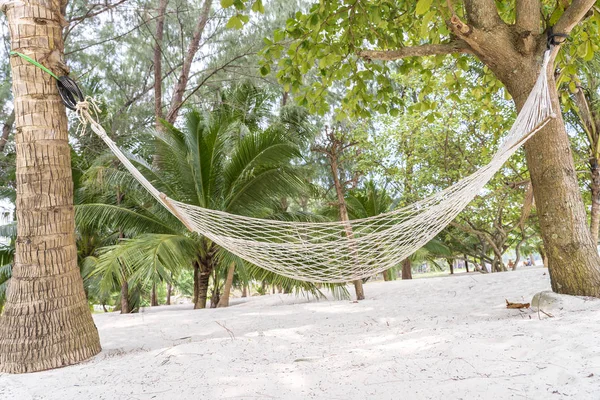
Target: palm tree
{"points": [[221, 160], [46, 301]]}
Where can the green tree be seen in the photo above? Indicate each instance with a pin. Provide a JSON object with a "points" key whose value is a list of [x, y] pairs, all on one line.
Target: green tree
{"points": [[220, 161], [509, 40]]}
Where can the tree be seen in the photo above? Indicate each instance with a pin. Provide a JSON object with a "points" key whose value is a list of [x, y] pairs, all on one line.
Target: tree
{"points": [[335, 144], [584, 104], [46, 321], [222, 160], [509, 41]]}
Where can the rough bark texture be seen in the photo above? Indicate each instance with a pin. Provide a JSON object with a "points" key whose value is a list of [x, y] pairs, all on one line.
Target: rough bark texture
{"points": [[203, 278], [196, 267], [245, 291], [153, 298], [224, 300], [124, 298], [406, 269], [46, 321]]}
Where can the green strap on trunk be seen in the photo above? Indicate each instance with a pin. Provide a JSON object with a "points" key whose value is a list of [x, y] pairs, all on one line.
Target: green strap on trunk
{"points": [[32, 61]]}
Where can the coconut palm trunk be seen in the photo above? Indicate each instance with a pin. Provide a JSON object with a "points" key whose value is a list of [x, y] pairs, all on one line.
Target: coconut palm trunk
{"points": [[46, 321], [224, 300]]}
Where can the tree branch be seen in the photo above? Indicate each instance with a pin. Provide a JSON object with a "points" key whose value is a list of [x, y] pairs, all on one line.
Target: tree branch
{"points": [[455, 46], [573, 15], [529, 16], [482, 14]]}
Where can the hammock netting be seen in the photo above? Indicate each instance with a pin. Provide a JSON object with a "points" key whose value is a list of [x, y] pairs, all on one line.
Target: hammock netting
{"points": [[345, 251]]}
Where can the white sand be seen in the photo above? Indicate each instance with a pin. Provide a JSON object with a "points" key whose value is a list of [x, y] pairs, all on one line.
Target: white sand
{"points": [[448, 337]]}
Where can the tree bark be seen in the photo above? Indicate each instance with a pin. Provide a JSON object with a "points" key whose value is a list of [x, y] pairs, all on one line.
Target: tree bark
{"points": [[6, 130], [196, 267], [245, 291], [224, 300], [203, 279], [466, 263], [160, 23], [169, 291], [406, 269], [46, 322], [153, 298], [124, 298]]}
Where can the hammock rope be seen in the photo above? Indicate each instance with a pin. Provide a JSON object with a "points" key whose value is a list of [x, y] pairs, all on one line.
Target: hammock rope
{"points": [[324, 252]]}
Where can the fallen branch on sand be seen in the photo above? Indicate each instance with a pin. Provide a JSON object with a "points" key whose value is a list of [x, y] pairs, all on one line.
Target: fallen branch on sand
{"points": [[516, 305]]}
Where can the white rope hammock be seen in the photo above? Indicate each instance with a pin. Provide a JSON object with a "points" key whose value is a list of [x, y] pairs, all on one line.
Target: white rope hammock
{"points": [[338, 251]]}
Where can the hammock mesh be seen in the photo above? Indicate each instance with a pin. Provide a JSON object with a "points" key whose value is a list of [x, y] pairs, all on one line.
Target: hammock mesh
{"points": [[338, 251]]}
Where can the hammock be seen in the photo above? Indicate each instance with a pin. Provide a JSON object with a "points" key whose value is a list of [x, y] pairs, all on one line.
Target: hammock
{"points": [[344, 251]]}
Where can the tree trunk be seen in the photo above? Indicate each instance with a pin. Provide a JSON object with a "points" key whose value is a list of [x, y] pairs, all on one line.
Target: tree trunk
{"points": [[158, 40], [466, 263], [451, 264], [153, 299], [333, 163], [595, 212], [532, 260], [46, 322], [125, 298], [513, 53], [196, 282], [573, 260], [203, 279], [245, 291], [184, 76], [406, 269], [224, 300], [6, 130], [169, 292]]}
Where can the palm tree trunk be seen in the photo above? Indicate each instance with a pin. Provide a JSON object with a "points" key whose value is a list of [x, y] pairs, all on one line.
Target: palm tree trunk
{"points": [[224, 300], [153, 299], [406, 269], [169, 291], [46, 321], [203, 280], [196, 267], [124, 298], [245, 291]]}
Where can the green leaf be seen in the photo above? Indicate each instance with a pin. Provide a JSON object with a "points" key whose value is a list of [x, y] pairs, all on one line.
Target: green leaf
{"points": [[234, 22], [423, 6], [226, 3], [265, 70], [258, 6]]}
